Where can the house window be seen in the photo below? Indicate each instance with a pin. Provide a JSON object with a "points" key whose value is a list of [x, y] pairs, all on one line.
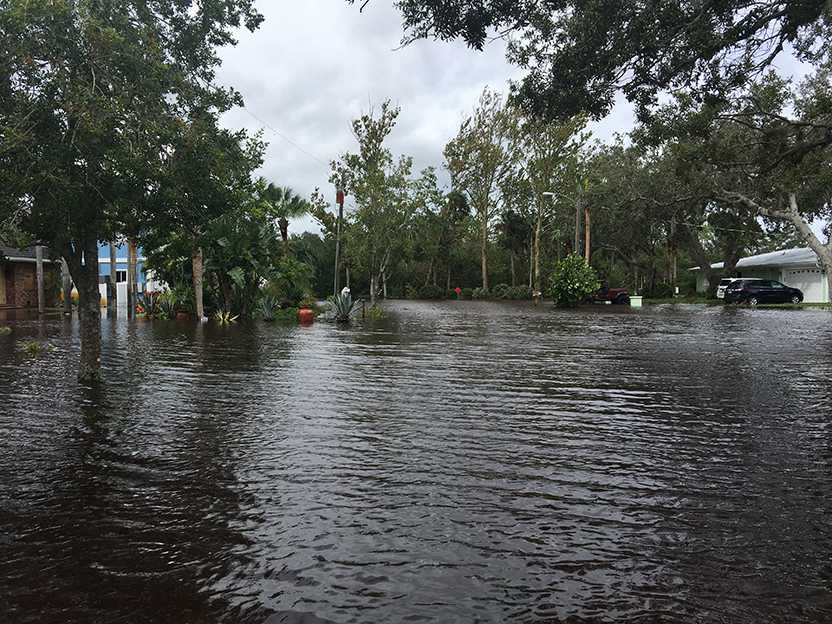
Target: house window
{"points": [[121, 276]]}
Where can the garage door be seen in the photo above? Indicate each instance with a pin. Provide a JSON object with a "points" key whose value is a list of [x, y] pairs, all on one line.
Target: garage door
{"points": [[810, 281]]}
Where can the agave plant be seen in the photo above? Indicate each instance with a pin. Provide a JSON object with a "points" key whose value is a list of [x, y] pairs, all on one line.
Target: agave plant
{"points": [[269, 305], [224, 317], [151, 302], [167, 306], [342, 305]]}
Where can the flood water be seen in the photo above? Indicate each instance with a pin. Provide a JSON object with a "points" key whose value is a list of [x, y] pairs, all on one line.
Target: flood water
{"points": [[459, 462]]}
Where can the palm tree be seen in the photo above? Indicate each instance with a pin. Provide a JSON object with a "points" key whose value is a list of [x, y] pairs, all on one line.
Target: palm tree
{"points": [[284, 204]]}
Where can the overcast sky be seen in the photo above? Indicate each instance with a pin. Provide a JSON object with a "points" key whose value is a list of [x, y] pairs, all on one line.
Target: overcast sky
{"points": [[314, 65]]}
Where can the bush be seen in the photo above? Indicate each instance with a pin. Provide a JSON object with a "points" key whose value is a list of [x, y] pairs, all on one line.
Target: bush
{"points": [[480, 293], [520, 293], [467, 293], [501, 291], [660, 291], [573, 281], [410, 292], [429, 291], [376, 313]]}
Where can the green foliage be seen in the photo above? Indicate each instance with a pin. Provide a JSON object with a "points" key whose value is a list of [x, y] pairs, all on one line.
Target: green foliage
{"points": [[286, 316], [342, 305], [269, 306], [5, 331], [376, 313], [290, 281], [429, 291], [167, 306], [151, 303], [573, 281], [308, 301], [501, 291], [520, 293], [576, 52], [225, 318], [180, 299], [480, 293], [33, 348]]}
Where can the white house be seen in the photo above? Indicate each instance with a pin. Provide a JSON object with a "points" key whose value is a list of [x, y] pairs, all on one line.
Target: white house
{"points": [[798, 268]]}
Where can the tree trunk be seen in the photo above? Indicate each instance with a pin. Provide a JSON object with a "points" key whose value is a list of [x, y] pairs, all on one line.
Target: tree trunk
{"points": [[484, 252], [83, 265], [283, 224], [513, 271], [112, 281], [531, 262], [39, 272], [132, 290], [448, 282], [430, 270], [198, 267], [372, 288], [587, 236], [384, 285], [66, 285], [537, 229]]}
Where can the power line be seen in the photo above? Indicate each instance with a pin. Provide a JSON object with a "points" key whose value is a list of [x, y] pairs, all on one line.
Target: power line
{"points": [[286, 138]]}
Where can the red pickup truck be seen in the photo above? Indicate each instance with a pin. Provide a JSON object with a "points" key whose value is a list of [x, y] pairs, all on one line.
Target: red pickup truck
{"points": [[616, 296]]}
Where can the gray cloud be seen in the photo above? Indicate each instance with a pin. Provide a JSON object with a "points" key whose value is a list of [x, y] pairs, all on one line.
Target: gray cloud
{"points": [[315, 65]]}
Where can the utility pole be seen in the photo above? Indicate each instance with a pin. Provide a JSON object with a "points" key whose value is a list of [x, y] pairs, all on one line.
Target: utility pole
{"points": [[339, 199], [39, 261]]}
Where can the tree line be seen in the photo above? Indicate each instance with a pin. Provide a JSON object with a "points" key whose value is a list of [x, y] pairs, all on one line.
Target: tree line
{"points": [[109, 120]]}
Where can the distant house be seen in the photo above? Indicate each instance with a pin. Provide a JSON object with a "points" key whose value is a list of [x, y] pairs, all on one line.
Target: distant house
{"points": [[144, 279], [798, 268], [18, 278]]}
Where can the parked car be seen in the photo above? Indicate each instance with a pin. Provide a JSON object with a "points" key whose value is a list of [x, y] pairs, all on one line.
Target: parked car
{"points": [[724, 282], [616, 296], [754, 291]]}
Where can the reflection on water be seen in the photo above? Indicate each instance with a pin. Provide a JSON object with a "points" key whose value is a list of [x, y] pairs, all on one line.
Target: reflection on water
{"points": [[465, 462]]}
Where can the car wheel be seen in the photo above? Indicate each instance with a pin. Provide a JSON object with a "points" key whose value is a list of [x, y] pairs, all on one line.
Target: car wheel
{"points": [[753, 301], [796, 299], [622, 300]]}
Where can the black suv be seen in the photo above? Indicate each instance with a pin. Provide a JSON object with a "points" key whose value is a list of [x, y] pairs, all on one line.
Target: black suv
{"points": [[761, 291]]}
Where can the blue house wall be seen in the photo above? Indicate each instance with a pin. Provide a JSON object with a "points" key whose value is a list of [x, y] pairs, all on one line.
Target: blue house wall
{"points": [[121, 262]]}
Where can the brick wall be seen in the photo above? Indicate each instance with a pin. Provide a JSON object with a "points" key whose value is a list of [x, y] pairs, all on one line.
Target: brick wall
{"points": [[22, 284], [25, 285]]}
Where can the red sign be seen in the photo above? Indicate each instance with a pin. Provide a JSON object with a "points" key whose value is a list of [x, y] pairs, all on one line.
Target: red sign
{"points": [[339, 197]]}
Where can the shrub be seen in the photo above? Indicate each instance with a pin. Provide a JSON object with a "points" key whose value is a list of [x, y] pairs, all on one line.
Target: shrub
{"points": [[410, 292], [429, 291], [480, 293], [467, 293], [501, 291], [375, 313], [573, 281], [308, 301], [286, 315], [343, 305], [660, 291], [520, 292], [5, 331], [269, 305]]}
